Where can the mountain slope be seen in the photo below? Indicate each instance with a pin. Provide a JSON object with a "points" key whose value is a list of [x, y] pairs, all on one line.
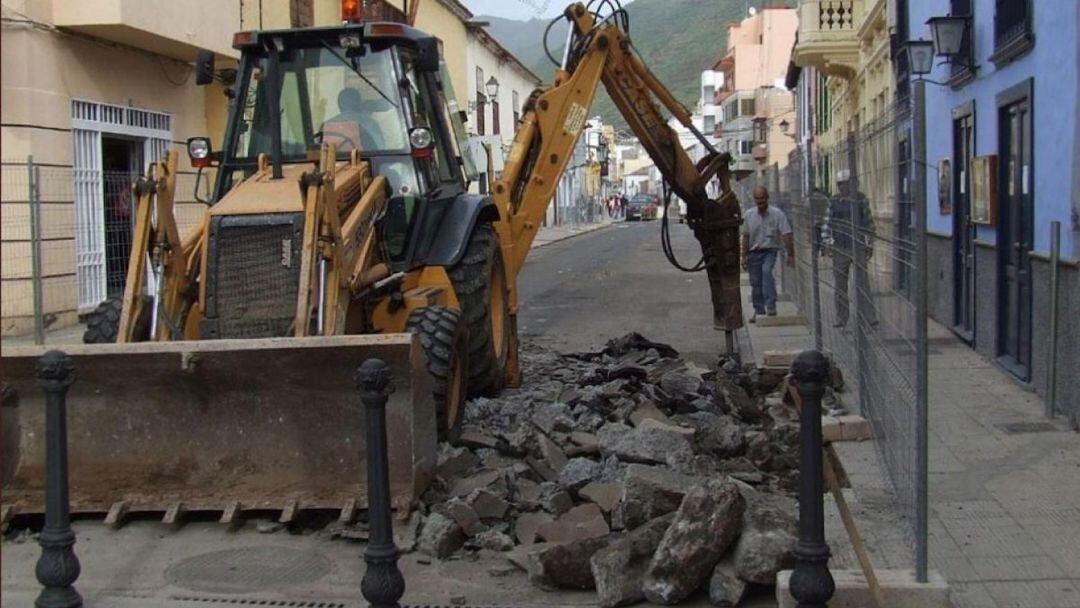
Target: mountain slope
{"points": [[677, 39]]}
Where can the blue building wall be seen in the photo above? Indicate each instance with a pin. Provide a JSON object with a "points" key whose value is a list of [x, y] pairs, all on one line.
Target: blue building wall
{"points": [[1053, 65]]}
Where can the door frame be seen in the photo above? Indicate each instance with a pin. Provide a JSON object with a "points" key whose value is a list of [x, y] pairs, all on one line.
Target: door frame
{"points": [[967, 334], [1023, 91], [90, 121]]}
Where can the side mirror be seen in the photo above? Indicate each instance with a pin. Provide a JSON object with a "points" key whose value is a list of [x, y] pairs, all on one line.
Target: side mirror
{"points": [[427, 59], [204, 68]]}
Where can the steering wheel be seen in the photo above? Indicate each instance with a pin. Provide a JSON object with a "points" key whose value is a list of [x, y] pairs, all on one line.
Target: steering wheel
{"points": [[321, 136]]}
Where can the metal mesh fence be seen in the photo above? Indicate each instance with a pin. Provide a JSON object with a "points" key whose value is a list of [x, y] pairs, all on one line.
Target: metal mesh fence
{"points": [[856, 279], [66, 238]]}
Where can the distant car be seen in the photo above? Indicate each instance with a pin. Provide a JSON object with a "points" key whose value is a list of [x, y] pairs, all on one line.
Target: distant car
{"points": [[642, 207]]}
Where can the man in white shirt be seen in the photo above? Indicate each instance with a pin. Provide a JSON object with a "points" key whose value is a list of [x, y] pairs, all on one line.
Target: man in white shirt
{"points": [[764, 232]]}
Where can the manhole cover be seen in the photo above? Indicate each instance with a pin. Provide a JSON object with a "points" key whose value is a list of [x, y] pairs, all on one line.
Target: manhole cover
{"points": [[248, 569], [1019, 428]]}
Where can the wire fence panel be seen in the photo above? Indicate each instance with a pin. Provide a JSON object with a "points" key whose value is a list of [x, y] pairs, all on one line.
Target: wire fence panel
{"points": [[855, 279], [67, 235]]}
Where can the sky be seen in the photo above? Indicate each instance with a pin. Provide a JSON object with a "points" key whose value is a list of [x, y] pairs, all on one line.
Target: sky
{"points": [[519, 9]]}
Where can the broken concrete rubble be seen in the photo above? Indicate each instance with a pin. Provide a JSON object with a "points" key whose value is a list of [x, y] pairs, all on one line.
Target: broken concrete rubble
{"points": [[619, 568], [596, 449], [441, 536], [584, 521], [566, 565], [706, 524], [726, 589]]}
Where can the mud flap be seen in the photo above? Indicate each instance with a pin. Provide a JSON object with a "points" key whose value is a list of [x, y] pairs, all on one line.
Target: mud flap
{"points": [[269, 424]]}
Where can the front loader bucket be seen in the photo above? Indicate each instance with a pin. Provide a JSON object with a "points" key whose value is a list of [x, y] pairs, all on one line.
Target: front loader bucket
{"points": [[271, 424]]}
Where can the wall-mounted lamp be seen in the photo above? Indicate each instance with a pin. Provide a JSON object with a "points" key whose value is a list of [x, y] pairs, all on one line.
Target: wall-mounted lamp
{"points": [[491, 87], [920, 55], [948, 34]]}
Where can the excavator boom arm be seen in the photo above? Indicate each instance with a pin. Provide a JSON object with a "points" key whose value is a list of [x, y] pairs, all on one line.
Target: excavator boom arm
{"points": [[601, 51]]}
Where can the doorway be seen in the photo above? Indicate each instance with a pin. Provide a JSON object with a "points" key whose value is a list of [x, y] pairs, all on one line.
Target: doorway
{"points": [[1016, 173], [121, 159], [963, 228]]}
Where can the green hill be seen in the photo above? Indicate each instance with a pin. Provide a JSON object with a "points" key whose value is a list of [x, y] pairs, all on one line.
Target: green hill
{"points": [[677, 39]]}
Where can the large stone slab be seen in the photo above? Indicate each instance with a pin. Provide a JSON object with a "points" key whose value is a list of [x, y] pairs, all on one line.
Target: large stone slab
{"points": [[706, 524], [649, 492], [618, 569]]}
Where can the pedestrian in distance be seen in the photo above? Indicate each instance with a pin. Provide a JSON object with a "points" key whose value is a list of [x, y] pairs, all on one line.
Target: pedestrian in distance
{"points": [[852, 231], [765, 230]]}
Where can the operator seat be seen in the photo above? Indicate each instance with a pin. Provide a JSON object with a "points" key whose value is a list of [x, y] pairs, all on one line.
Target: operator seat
{"points": [[354, 125]]}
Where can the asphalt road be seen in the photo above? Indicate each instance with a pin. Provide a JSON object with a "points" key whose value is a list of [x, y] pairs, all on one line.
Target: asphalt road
{"points": [[579, 293]]}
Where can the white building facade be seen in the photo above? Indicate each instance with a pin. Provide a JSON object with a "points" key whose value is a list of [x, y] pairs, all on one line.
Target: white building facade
{"points": [[498, 84]]}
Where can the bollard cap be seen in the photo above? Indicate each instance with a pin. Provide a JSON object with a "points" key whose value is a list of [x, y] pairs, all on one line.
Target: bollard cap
{"points": [[810, 366], [55, 370], [374, 378]]}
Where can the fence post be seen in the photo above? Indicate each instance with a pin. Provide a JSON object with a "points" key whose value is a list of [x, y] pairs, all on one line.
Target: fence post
{"points": [[922, 392], [58, 567], [811, 583], [383, 584], [34, 191], [1051, 367]]}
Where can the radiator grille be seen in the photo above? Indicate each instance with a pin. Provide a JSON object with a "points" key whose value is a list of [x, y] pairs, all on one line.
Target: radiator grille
{"points": [[254, 276]]}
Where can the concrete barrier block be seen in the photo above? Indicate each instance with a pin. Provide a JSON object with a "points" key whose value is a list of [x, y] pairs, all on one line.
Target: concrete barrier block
{"points": [[779, 358], [781, 320]]}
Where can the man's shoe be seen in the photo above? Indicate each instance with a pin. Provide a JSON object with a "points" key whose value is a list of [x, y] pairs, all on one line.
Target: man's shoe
{"points": [[839, 324], [771, 312], [753, 318]]}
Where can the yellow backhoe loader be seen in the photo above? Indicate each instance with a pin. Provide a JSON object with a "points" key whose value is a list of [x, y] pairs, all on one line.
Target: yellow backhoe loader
{"points": [[340, 227]]}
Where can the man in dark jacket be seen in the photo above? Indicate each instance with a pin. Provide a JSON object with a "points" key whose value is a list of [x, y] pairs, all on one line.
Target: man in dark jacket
{"points": [[851, 226]]}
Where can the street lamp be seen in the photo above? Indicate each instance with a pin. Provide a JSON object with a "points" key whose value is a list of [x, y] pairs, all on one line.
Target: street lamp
{"points": [[920, 55], [491, 87], [948, 35]]}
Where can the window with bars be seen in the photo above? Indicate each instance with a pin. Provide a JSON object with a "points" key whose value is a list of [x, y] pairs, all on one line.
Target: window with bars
{"points": [[960, 72], [517, 109], [1013, 35], [481, 99]]}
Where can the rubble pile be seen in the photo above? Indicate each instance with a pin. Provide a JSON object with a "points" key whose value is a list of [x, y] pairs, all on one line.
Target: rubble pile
{"points": [[628, 471]]}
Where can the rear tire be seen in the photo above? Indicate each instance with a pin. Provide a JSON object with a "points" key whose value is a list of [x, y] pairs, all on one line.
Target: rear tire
{"points": [[446, 349], [480, 283], [103, 325]]}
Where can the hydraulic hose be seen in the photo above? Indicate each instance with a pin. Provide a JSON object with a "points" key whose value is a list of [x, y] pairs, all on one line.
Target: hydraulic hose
{"points": [[665, 237]]}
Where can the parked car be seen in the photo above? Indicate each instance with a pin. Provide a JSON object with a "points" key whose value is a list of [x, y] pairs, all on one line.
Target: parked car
{"points": [[642, 207]]}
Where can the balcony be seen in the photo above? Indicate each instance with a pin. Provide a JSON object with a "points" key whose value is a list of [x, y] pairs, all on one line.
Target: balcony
{"points": [[828, 37], [177, 29]]}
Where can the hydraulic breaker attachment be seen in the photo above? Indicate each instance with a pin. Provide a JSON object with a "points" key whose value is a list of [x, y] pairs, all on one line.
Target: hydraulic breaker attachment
{"points": [[266, 424]]}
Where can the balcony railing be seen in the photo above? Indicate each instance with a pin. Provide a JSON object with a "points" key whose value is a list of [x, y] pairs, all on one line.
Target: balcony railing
{"points": [[827, 35]]}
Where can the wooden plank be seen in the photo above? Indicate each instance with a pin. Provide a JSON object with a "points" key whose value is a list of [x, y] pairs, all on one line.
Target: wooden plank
{"points": [[173, 514], [117, 513], [231, 515], [833, 484], [7, 513], [288, 514], [348, 512]]}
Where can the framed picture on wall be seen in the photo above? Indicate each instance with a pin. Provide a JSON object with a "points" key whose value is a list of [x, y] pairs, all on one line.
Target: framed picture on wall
{"points": [[984, 191], [944, 188]]}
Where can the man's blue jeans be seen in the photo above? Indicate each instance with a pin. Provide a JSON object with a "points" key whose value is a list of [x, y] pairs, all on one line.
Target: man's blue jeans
{"points": [[762, 284]]}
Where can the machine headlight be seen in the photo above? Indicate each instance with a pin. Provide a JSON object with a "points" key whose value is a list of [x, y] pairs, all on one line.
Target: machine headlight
{"points": [[421, 138], [199, 151]]}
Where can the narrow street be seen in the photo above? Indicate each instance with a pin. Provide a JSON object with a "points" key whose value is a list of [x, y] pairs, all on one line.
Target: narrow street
{"points": [[578, 293]]}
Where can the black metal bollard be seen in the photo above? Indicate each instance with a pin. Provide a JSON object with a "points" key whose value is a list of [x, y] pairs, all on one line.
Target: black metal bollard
{"points": [[58, 567], [383, 584], [811, 583]]}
